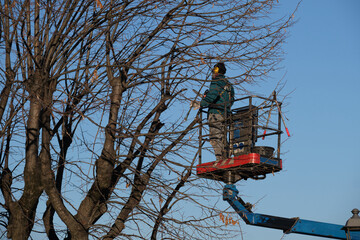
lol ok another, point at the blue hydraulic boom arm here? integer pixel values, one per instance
(288, 225)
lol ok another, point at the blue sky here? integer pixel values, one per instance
(320, 177)
(320, 180)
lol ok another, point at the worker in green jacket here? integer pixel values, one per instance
(218, 99)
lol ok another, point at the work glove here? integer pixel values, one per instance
(195, 104)
(205, 93)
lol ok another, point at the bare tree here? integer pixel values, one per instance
(94, 96)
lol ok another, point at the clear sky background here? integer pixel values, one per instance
(321, 176)
(320, 180)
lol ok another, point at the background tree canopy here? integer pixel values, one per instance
(94, 143)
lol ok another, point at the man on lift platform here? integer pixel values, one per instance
(219, 100)
(240, 126)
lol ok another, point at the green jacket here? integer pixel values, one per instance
(220, 96)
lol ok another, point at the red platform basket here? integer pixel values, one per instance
(246, 166)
